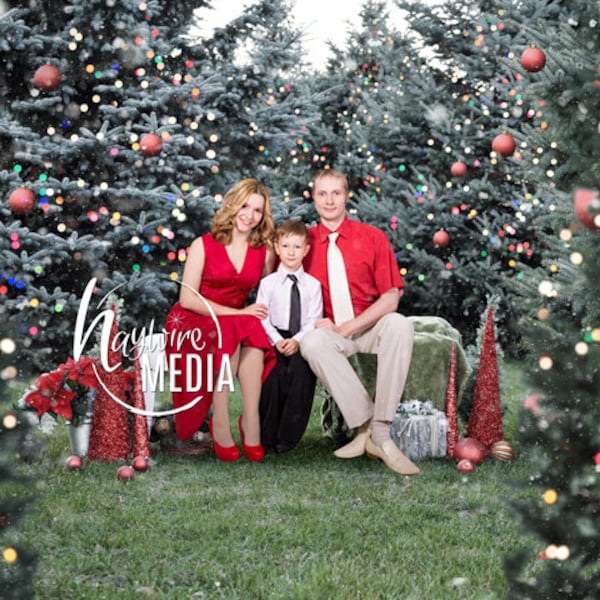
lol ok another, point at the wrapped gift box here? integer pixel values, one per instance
(420, 430)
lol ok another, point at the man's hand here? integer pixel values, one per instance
(344, 329)
(325, 324)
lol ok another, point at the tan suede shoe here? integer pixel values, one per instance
(389, 453)
(355, 448)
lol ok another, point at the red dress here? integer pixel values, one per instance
(196, 346)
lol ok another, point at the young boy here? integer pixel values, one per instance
(294, 300)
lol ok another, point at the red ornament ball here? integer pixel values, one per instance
(471, 449)
(441, 238)
(150, 144)
(21, 201)
(125, 473)
(140, 463)
(533, 60)
(587, 208)
(73, 463)
(458, 169)
(47, 78)
(465, 465)
(504, 144)
(502, 450)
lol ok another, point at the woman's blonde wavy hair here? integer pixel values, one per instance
(222, 225)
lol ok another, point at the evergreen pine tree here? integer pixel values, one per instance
(559, 432)
(415, 104)
(268, 106)
(108, 202)
(17, 562)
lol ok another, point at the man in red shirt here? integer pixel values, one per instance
(366, 322)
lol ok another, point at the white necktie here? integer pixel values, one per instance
(341, 302)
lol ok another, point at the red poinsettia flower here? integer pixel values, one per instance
(51, 395)
(81, 372)
(63, 391)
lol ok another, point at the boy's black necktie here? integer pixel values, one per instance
(294, 327)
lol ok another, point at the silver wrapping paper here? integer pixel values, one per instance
(419, 430)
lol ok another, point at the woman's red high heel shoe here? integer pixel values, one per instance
(253, 453)
(224, 453)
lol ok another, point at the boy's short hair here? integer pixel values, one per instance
(291, 227)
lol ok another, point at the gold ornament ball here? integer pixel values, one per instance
(502, 450)
(162, 426)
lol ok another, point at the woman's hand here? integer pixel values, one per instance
(256, 310)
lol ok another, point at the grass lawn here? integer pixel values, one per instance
(304, 525)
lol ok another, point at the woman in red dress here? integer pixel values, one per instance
(212, 335)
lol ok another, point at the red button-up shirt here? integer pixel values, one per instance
(370, 263)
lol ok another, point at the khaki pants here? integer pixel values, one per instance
(391, 339)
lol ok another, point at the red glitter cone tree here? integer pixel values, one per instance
(141, 440)
(109, 438)
(485, 419)
(451, 406)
